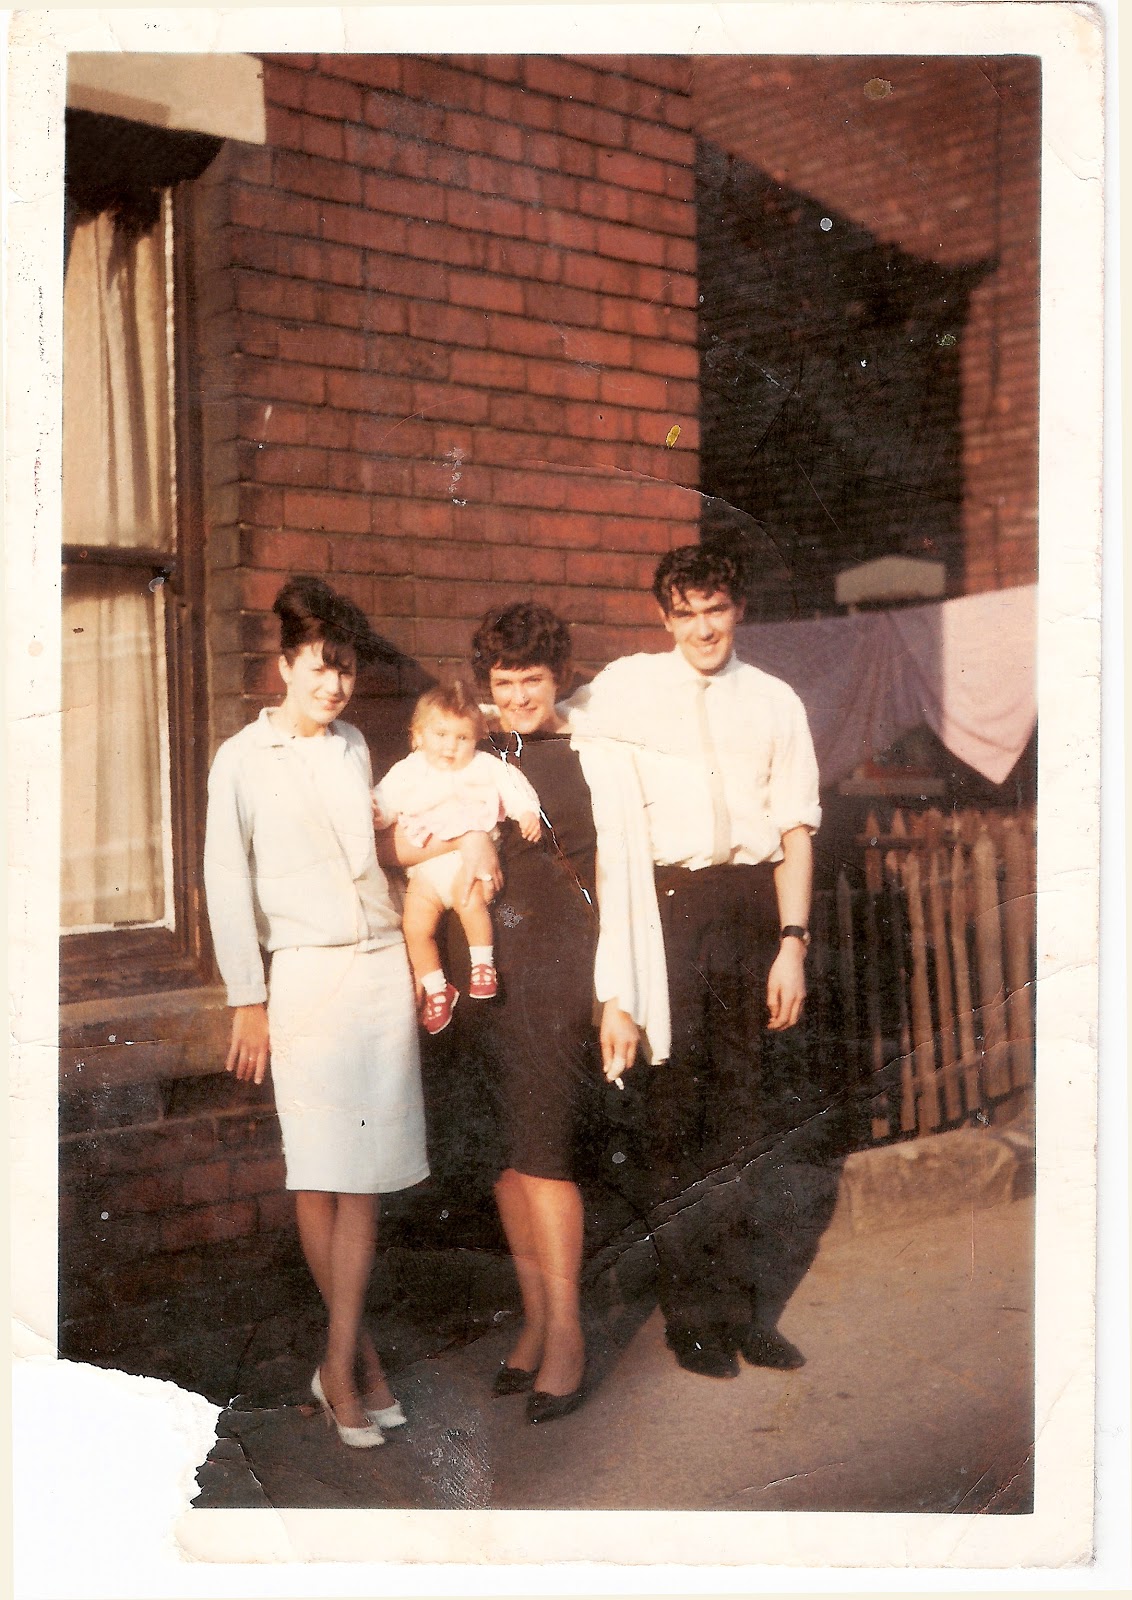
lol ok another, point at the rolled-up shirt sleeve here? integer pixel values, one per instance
(228, 885)
(793, 789)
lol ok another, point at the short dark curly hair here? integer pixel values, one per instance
(703, 568)
(311, 612)
(522, 635)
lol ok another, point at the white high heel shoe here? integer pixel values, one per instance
(385, 1416)
(366, 1438)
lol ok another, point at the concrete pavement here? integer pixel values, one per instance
(917, 1393)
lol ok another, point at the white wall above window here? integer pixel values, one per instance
(217, 94)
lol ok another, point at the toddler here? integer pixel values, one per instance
(446, 788)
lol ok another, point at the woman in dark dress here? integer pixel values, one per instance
(542, 1056)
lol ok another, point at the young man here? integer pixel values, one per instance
(730, 790)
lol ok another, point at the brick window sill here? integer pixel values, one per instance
(105, 1043)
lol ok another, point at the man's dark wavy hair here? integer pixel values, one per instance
(311, 612)
(700, 567)
(522, 635)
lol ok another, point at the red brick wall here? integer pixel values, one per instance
(155, 1178)
(945, 163)
(448, 321)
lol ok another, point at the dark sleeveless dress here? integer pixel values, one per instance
(529, 1057)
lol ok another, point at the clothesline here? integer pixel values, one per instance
(967, 668)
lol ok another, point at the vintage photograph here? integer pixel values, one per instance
(550, 771)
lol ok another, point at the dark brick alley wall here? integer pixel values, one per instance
(937, 163)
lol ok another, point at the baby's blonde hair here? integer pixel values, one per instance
(454, 699)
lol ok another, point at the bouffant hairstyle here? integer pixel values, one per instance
(454, 699)
(522, 635)
(311, 612)
(698, 567)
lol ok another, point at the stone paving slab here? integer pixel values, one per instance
(934, 1176)
(916, 1396)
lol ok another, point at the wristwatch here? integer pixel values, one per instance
(793, 931)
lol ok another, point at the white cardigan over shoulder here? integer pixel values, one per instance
(630, 966)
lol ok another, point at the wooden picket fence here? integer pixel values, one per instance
(922, 981)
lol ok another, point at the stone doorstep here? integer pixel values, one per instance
(935, 1175)
(175, 1034)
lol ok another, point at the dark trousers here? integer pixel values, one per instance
(699, 1114)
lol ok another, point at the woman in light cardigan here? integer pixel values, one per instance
(290, 869)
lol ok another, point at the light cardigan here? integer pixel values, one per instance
(282, 867)
(630, 967)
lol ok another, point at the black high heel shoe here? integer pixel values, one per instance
(543, 1407)
(512, 1380)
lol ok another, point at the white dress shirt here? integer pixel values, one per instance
(761, 739)
(289, 858)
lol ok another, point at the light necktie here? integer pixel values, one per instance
(720, 816)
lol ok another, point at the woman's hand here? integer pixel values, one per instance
(480, 864)
(248, 1051)
(620, 1037)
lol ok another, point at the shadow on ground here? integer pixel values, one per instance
(917, 1396)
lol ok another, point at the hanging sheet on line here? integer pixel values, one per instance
(967, 668)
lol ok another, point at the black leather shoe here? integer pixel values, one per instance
(512, 1380)
(543, 1407)
(766, 1347)
(703, 1351)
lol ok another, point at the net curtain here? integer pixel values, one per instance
(117, 492)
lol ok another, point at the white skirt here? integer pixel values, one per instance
(345, 1062)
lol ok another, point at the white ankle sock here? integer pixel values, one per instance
(434, 982)
(482, 955)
